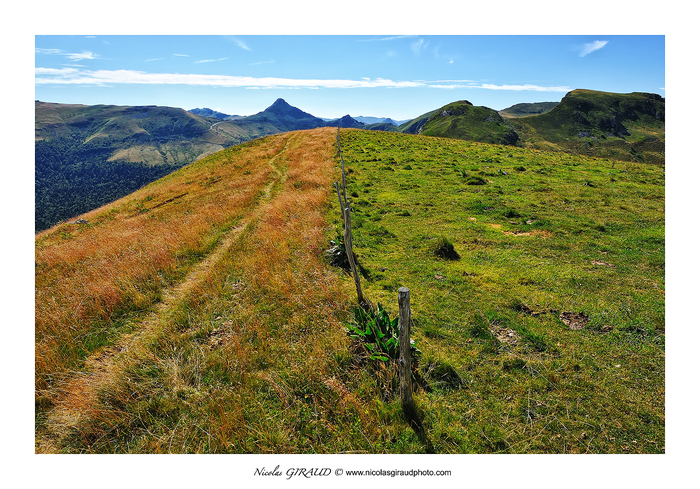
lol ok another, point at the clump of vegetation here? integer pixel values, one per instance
(445, 249)
(474, 180)
(443, 375)
(378, 333)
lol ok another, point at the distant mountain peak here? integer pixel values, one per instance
(279, 103)
(282, 108)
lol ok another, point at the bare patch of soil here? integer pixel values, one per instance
(573, 320)
(505, 335)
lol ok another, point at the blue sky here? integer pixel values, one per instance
(329, 76)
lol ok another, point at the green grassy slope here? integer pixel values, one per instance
(462, 120)
(628, 127)
(542, 237)
(414, 125)
(623, 126)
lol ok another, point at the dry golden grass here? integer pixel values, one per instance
(240, 361)
(88, 275)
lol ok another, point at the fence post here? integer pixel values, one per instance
(347, 239)
(405, 362)
(347, 235)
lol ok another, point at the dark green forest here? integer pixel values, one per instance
(72, 177)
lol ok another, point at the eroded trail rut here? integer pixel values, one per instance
(80, 393)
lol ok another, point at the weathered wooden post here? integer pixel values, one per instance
(347, 235)
(347, 239)
(405, 362)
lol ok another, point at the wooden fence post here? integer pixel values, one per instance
(405, 362)
(347, 234)
(347, 239)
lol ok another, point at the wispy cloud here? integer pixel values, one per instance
(241, 44)
(70, 56)
(449, 59)
(263, 62)
(72, 76)
(153, 59)
(588, 48)
(390, 38)
(525, 88)
(182, 55)
(489, 86)
(419, 46)
(75, 76)
(209, 60)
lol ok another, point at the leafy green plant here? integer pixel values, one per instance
(378, 332)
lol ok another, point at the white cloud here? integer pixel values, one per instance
(392, 38)
(489, 86)
(70, 56)
(241, 44)
(182, 55)
(74, 76)
(530, 88)
(71, 76)
(452, 86)
(81, 56)
(47, 51)
(209, 60)
(588, 48)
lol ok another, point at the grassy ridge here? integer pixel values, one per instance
(254, 358)
(88, 156)
(627, 127)
(90, 278)
(462, 120)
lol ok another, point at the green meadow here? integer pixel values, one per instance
(544, 330)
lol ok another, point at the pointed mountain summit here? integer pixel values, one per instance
(286, 117)
(281, 107)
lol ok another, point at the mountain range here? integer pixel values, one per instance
(87, 156)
